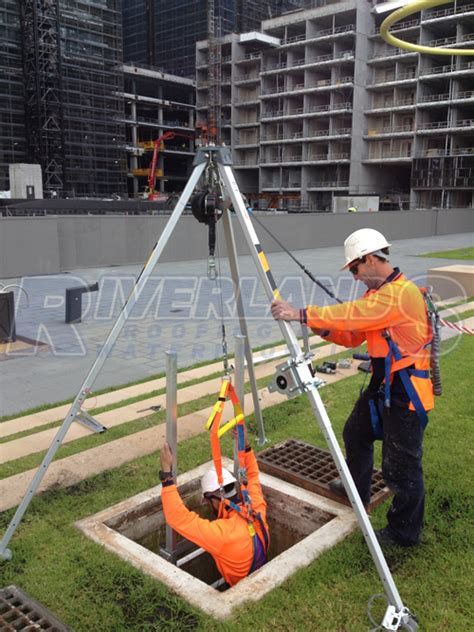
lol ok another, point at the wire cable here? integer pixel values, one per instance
(370, 604)
(221, 304)
(305, 270)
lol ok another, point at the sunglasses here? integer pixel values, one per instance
(354, 268)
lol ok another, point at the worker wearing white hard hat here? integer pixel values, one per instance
(392, 319)
(362, 242)
(227, 538)
(210, 485)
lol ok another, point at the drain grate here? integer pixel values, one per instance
(19, 612)
(313, 469)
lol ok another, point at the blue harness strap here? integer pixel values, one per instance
(259, 554)
(405, 375)
(375, 419)
(260, 549)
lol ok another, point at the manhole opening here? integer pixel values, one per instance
(148, 528)
(302, 526)
(18, 611)
(312, 468)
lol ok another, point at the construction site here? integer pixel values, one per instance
(314, 104)
(236, 315)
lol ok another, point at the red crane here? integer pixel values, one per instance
(150, 192)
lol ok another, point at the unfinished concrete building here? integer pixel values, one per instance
(325, 108)
(156, 104)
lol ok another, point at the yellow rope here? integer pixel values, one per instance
(414, 7)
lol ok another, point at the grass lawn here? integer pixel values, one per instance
(458, 253)
(95, 591)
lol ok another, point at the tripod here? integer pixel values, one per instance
(293, 378)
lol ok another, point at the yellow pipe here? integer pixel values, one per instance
(410, 9)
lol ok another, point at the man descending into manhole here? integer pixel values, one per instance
(395, 318)
(238, 538)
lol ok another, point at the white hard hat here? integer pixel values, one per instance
(362, 242)
(209, 482)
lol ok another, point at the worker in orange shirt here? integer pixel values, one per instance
(237, 542)
(392, 318)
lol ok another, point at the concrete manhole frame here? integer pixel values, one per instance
(221, 604)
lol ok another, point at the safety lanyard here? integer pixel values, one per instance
(245, 511)
(213, 424)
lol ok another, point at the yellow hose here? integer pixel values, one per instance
(409, 9)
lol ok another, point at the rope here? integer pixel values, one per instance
(305, 270)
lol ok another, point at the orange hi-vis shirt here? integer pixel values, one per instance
(227, 538)
(397, 307)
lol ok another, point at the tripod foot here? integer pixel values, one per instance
(5, 555)
(399, 619)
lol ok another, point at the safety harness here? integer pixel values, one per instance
(394, 357)
(244, 509)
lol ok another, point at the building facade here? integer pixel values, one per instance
(325, 108)
(164, 34)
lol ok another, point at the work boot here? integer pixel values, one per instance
(337, 487)
(387, 537)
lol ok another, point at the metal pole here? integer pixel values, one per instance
(314, 397)
(171, 432)
(84, 391)
(234, 271)
(305, 334)
(239, 387)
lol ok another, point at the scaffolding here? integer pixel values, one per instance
(74, 111)
(94, 130)
(12, 120)
(43, 91)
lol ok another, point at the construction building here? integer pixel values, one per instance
(62, 106)
(163, 34)
(158, 105)
(12, 104)
(317, 106)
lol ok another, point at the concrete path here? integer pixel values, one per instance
(179, 309)
(42, 440)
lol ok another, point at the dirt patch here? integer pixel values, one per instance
(21, 348)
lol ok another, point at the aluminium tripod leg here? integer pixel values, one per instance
(5, 553)
(397, 615)
(234, 270)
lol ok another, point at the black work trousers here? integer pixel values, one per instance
(401, 463)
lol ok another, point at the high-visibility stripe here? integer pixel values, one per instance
(263, 261)
(268, 272)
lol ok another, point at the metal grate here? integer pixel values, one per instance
(313, 469)
(19, 612)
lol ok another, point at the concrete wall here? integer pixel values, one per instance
(47, 245)
(22, 176)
